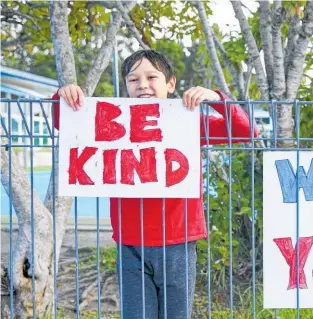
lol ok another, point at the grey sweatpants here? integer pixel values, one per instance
(179, 294)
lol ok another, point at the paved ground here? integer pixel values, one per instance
(86, 238)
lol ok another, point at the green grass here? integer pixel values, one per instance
(243, 308)
(107, 258)
(39, 168)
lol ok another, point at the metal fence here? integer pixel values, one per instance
(229, 271)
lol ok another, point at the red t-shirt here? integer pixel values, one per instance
(174, 208)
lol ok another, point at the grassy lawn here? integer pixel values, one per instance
(39, 169)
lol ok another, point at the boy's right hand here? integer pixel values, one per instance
(72, 95)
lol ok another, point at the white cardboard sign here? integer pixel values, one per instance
(136, 148)
(280, 194)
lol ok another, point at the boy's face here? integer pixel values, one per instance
(145, 81)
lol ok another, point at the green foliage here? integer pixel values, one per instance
(243, 307)
(182, 15)
(43, 63)
(236, 209)
(35, 21)
(107, 258)
(236, 49)
(254, 22)
(85, 20)
(174, 52)
(305, 93)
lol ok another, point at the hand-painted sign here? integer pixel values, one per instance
(288, 240)
(121, 147)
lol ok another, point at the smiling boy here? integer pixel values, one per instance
(148, 74)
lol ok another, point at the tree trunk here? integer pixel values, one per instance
(294, 74)
(33, 253)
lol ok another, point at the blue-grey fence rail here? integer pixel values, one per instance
(19, 130)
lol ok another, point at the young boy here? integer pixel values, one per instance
(147, 73)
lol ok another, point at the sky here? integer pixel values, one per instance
(224, 16)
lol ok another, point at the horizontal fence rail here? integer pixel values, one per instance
(229, 269)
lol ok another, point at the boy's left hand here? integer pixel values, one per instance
(195, 95)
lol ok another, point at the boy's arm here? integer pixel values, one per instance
(240, 124)
(56, 107)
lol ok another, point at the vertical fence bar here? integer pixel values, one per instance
(230, 211)
(9, 149)
(98, 257)
(119, 210)
(55, 266)
(206, 123)
(253, 257)
(252, 207)
(117, 94)
(186, 255)
(208, 215)
(297, 115)
(32, 207)
(76, 260)
(142, 260)
(274, 119)
(164, 258)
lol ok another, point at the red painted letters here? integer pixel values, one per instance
(290, 255)
(105, 128)
(76, 171)
(145, 168)
(108, 130)
(175, 177)
(109, 170)
(138, 122)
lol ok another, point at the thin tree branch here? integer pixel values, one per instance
(252, 49)
(295, 69)
(248, 80)
(236, 75)
(107, 4)
(293, 33)
(104, 55)
(130, 24)
(266, 37)
(243, 5)
(7, 12)
(36, 5)
(11, 43)
(212, 50)
(279, 84)
(11, 21)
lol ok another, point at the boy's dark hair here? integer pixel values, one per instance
(158, 60)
